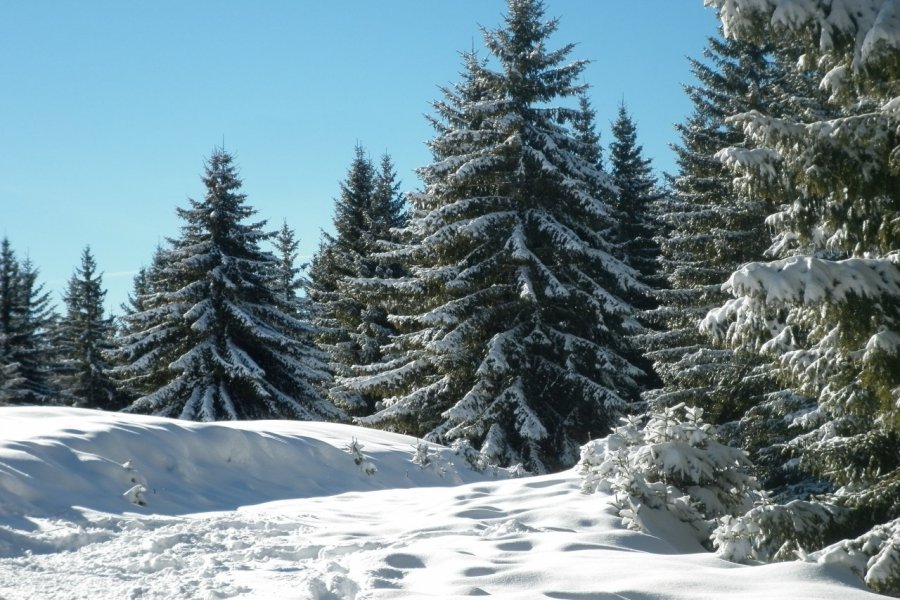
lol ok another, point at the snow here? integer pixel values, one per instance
(286, 509)
(812, 280)
(872, 25)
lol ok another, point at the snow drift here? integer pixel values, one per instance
(101, 505)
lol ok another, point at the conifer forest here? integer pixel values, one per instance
(721, 343)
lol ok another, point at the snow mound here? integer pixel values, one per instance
(52, 460)
(177, 510)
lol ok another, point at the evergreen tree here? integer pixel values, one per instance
(636, 229)
(710, 231)
(830, 312)
(144, 285)
(353, 327)
(585, 130)
(213, 342)
(510, 316)
(713, 230)
(84, 336)
(637, 193)
(147, 282)
(286, 279)
(388, 211)
(10, 296)
(673, 462)
(26, 317)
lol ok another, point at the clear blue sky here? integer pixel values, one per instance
(109, 108)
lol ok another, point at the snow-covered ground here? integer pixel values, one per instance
(98, 505)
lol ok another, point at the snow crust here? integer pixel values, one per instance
(103, 505)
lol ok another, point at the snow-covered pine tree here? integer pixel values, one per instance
(286, 278)
(709, 232)
(388, 212)
(636, 230)
(584, 126)
(144, 284)
(213, 342)
(637, 194)
(353, 327)
(831, 312)
(26, 318)
(84, 336)
(511, 315)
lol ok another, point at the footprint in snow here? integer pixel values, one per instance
(479, 571)
(578, 547)
(589, 596)
(535, 485)
(385, 578)
(523, 546)
(404, 561)
(388, 573)
(481, 512)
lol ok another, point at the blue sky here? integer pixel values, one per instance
(109, 108)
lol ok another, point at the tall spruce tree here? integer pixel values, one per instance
(710, 232)
(636, 229)
(213, 342)
(511, 313)
(584, 126)
(830, 312)
(147, 281)
(286, 278)
(144, 284)
(354, 327)
(26, 318)
(637, 194)
(713, 230)
(84, 336)
(388, 212)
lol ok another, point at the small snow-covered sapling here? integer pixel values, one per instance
(423, 457)
(134, 494)
(354, 448)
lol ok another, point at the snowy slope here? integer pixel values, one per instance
(281, 510)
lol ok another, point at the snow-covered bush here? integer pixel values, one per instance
(673, 462)
(780, 532)
(874, 556)
(774, 532)
(475, 459)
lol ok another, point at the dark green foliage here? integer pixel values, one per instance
(634, 202)
(828, 313)
(510, 315)
(354, 327)
(585, 133)
(212, 341)
(84, 337)
(286, 279)
(26, 355)
(709, 232)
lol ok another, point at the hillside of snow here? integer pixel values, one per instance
(104, 505)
